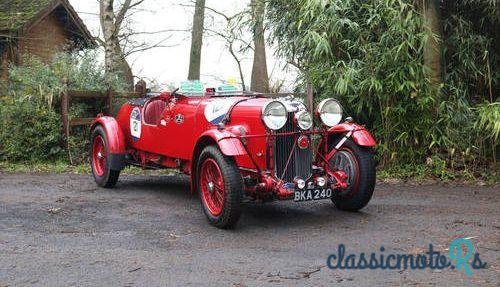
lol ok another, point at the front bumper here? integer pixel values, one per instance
(277, 189)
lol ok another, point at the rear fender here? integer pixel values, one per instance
(360, 135)
(115, 140)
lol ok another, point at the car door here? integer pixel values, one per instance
(177, 128)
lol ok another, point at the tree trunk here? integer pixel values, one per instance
(260, 79)
(123, 69)
(114, 59)
(432, 50)
(196, 40)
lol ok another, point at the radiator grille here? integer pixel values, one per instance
(301, 162)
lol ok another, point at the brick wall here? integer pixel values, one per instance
(44, 39)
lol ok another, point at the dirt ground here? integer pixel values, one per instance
(62, 230)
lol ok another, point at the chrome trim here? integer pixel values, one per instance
(320, 107)
(264, 107)
(296, 119)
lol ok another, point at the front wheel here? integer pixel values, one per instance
(99, 158)
(220, 187)
(359, 165)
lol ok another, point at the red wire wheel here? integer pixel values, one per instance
(345, 160)
(358, 164)
(99, 156)
(104, 176)
(220, 187)
(212, 186)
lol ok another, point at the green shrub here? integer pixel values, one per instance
(370, 55)
(488, 126)
(43, 82)
(30, 112)
(30, 131)
(488, 120)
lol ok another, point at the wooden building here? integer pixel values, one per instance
(40, 28)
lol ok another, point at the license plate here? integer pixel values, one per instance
(312, 194)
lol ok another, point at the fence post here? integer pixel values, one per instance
(140, 87)
(65, 116)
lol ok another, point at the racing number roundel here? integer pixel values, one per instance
(135, 124)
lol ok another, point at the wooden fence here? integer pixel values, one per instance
(109, 95)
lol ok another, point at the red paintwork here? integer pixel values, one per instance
(212, 195)
(182, 130)
(98, 156)
(114, 133)
(228, 141)
(356, 180)
(360, 135)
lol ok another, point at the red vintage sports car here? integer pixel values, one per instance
(235, 145)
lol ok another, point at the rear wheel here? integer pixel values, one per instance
(358, 163)
(99, 158)
(220, 187)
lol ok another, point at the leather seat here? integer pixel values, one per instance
(153, 112)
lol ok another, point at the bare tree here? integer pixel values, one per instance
(111, 24)
(235, 33)
(119, 37)
(233, 36)
(260, 78)
(196, 40)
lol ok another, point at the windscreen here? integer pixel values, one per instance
(192, 89)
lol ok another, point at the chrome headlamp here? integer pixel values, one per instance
(274, 115)
(303, 120)
(330, 112)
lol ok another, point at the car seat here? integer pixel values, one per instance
(153, 111)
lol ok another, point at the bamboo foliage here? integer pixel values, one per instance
(371, 55)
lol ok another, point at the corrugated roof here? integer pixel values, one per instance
(14, 14)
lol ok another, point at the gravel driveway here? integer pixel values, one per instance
(61, 230)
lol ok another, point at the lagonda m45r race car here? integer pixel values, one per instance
(237, 145)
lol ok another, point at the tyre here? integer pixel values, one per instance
(220, 187)
(359, 165)
(104, 176)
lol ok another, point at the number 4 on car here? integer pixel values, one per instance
(234, 145)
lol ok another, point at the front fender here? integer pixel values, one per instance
(228, 142)
(114, 134)
(360, 135)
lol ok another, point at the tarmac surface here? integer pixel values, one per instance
(62, 230)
